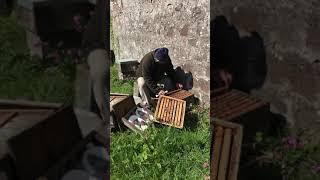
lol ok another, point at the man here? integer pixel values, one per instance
(222, 78)
(94, 38)
(156, 75)
(96, 45)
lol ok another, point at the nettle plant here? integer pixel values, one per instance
(295, 155)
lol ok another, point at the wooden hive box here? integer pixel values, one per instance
(50, 154)
(170, 111)
(121, 104)
(179, 94)
(225, 150)
(236, 106)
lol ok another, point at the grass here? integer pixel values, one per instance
(119, 86)
(25, 77)
(162, 152)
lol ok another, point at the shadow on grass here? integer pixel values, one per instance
(191, 121)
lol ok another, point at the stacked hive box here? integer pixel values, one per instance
(225, 150)
(239, 107)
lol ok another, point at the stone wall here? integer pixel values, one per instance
(182, 26)
(291, 33)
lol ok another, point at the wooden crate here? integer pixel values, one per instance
(42, 145)
(17, 116)
(239, 107)
(170, 111)
(225, 150)
(30, 135)
(121, 104)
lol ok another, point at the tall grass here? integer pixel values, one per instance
(25, 77)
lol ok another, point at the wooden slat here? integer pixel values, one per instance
(159, 109)
(24, 110)
(118, 94)
(183, 114)
(226, 150)
(218, 139)
(180, 94)
(5, 117)
(175, 112)
(233, 104)
(235, 154)
(226, 110)
(179, 112)
(4, 104)
(164, 112)
(225, 155)
(169, 111)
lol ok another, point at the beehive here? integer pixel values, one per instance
(120, 105)
(170, 111)
(180, 94)
(236, 106)
(225, 150)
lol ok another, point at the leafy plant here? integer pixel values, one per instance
(293, 154)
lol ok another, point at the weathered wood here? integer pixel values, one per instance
(239, 107)
(226, 149)
(5, 117)
(181, 94)
(175, 112)
(235, 154)
(170, 111)
(22, 104)
(171, 103)
(45, 143)
(164, 117)
(217, 139)
(24, 110)
(218, 91)
(225, 155)
(121, 105)
(118, 94)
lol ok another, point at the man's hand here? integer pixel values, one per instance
(162, 92)
(226, 78)
(179, 86)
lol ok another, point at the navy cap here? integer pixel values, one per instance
(161, 54)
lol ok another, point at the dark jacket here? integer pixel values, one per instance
(95, 35)
(153, 72)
